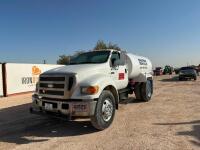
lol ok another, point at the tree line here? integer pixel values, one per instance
(65, 59)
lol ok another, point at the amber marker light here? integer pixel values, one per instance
(90, 90)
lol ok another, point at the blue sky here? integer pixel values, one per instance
(166, 31)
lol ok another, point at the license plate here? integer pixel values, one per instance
(80, 108)
(48, 106)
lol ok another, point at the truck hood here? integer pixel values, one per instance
(78, 69)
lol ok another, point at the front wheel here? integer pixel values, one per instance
(105, 111)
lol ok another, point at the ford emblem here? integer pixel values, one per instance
(50, 85)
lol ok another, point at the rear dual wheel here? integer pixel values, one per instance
(143, 91)
(147, 90)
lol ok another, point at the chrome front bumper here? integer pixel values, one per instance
(68, 108)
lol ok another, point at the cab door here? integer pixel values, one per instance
(119, 72)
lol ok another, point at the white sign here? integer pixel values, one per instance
(23, 77)
(1, 81)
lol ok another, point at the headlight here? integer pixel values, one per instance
(180, 73)
(90, 90)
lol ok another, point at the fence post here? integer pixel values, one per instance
(4, 79)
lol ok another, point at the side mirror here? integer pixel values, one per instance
(115, 62)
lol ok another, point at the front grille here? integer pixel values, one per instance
(46, 85)
(50, 92)
(56, 86)
(52, 78)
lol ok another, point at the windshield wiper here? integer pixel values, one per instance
(86, 62)
(73, 63)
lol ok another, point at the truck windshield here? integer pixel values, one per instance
(91, 57)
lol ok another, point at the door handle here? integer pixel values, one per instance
(112, 72)
(125, 70)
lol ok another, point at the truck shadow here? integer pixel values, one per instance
(173, 79)
(195, 132)
(19, 127)
(130, 100)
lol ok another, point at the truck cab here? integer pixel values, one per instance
(90, 86)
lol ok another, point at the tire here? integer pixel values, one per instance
(195, 78)
(180, 79)
(137, 91)
(106, 102)
(147, 90)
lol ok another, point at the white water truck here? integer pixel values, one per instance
(92, 86)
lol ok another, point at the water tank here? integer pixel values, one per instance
(138, 66)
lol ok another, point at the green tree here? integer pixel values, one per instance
(113, 46)
(63, 59)
(102, 45)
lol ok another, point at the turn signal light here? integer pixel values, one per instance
(90, 90)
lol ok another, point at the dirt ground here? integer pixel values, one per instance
(170, 121)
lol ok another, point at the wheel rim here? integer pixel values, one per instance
(149, 90)
(107, 110)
